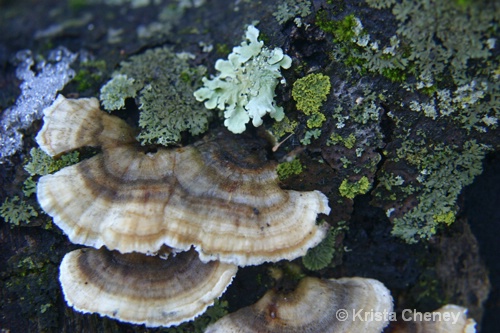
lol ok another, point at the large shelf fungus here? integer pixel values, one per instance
(142, 289)
(217, 195)
(332, 306)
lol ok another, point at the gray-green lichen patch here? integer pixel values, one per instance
(162, 84)
(420, 203)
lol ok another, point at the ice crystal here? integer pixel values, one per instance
(38, 90)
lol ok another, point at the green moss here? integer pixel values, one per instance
(351, 189)
(310, 92)
(222, 49)
(342, 30)
(31, 288)
(89, 75)
(16, 211)
(288, 169)
(117, 90)
(321, 256)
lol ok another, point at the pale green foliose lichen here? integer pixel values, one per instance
(244, 89)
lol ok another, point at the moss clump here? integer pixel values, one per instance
(162, 83)
(351, 189)
(322, 255)
(288, 169)
(31, 289)
(342, 30)
(310, 92)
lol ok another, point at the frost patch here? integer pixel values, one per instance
(38, 90)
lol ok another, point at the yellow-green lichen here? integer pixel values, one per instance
(310, 92)
(283, 127)
(336, 138)
(350, 189)
(288, 169)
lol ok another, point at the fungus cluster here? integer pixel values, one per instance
(218, 199)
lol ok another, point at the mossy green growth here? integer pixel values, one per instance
(162, 83)
(342, 30)
(322, 255)
(288, 169)
(41, 164)
(310, 92)
(89, 75)
(31, 287)
(351, 189)
(16, 211)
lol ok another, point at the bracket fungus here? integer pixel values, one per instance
(142, 289)
(217, 195)
(323, 306)
(449, 318)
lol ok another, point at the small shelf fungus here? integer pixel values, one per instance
(323, 306)
(142, 289)
(218, 195)
(449, 318)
